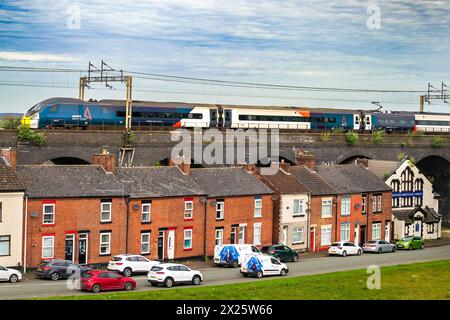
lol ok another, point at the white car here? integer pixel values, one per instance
(169, 274)
(11, 275)
(128, 264)
(263, 265)
(344, 248)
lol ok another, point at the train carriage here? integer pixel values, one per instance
(432, 122)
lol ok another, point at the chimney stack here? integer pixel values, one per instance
(363, 161)
(182, 164)
(106, 160)
(11, 157)
(304, 158)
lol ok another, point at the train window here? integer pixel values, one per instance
(54, 108)
(120, 114)
(137, 114)
(272, 118)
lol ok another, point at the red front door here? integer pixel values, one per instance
(312, 240)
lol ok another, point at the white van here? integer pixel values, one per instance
(233, 254)
(263, 265)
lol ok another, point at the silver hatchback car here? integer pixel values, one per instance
(379, 246)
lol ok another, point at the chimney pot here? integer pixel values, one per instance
(304, 158)
(106, 160)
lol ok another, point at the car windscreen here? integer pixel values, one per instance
(116, 259)
(265, 248)
(156, 268)
(336, 244)
(88, 275)
(407, 238)
(371, 241)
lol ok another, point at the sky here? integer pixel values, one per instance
(394, 45)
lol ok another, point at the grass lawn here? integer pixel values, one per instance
(430, 280)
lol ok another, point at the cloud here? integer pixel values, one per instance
(35, 57)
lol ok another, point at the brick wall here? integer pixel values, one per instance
(317, 222)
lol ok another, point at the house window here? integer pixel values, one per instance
(219, 236)
(364, 204)
(326, 208)
(146, 212)
(241, 235)
(187, 238)
(430, 228)
(376, 231)
(395, 185)
(407, 177)
(145, 243)
(345, 206)
(325, 238)
(345, 231)
(106, 211)
(258, 207)
(407, 230)
(257, 234)
(49, 214)
(297, 235)
(220, 209)
(5, 246)
(233, 237)
(188, 209)
(298, 207)
(376, 203)
(105, 243)
(48, 247)
(418, 188)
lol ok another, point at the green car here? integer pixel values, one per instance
(410, 243)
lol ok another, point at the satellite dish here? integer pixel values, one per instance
(34, 214)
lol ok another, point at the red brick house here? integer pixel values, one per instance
(238, 209)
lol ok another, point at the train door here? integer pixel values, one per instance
(227, 118)
(356, 122)
(213, 117)
(220, 122)
(368, 122)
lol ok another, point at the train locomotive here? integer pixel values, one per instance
(75, 113)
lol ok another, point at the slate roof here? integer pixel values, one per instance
(9, 182)
(381, 167)
(312, 180)
(430, 215)
(352, 178)
(69, 181)
(228, 181)
(285, 183)
(157, 182)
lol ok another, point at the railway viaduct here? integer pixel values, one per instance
(155, 147)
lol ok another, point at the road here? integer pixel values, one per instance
(36, 288)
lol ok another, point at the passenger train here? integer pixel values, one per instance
(70, 113)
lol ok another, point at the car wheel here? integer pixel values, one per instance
(96, 288)
(422, 246)
(259, 274)
(127, 272)
(14, 278)
(283, 272)
(196, 280)
(153, 284)
(55, 276)
(359, 252)
(128, 286)
(410, 247)
(379, 250)
(394, 249)
(168, 282)
(235, 264)
(295, 258)
(344, 253)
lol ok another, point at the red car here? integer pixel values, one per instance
(99, 280)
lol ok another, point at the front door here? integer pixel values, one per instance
(171, 245)
(83, 248)
(69, 247)
(418, 228)
(312, 240)
(161, 245)
(285, 235)
(356, 235)
(362, 232)
(387, 232)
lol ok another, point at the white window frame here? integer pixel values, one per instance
(7, 239)
(346, 231)
(219, 239)
(149, 212)
(188, 212)
(326, 203)
(378, 229)
(257, 241)
(187, 238)
(103, 243)
(53, 206)
(102, 211)
(143, 234)
(300, 230)
(346, 202)
(364, 204)
(241, 231)
(48, 247)
(328, 228)
(379, 208)
(220, 210)
(258, 207)
(300, 206)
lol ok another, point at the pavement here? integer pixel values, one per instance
(36, 288)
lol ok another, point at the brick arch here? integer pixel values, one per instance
(348, 157)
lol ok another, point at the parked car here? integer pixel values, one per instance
(378, 246)
(410, 243)
(169, 274)
(233, 254)
(59, 269)
(344, 248)
(128, 264)
(263, 265)
(11, 275)
(103, 280)
(281, 252)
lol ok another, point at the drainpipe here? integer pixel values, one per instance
(204, 227)
(308, 224)
(127, 201)
(336, 219)
(25, 236)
